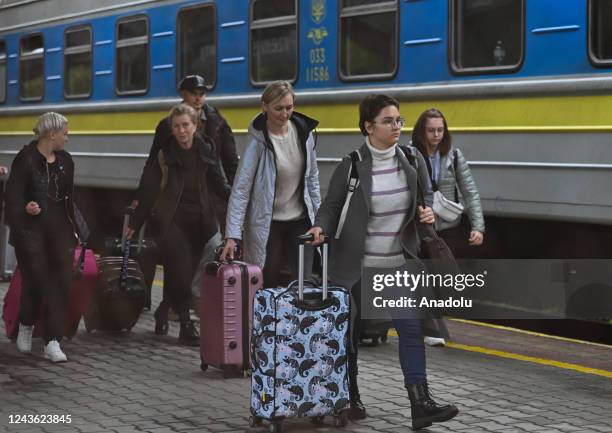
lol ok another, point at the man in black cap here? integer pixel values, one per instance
(214, 129)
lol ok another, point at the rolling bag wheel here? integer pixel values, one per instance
(318, 420)
(203, 366)
(384, 337)
(374, 341)
(342, 419)
(275, 427)
(254, 421)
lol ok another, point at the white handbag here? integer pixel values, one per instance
(446, 209)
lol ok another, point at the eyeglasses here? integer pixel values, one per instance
(434, 130)
(390, 121)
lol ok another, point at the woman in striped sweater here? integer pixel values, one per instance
(378, 229)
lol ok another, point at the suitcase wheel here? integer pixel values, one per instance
(254, 421)
(275, 427)
(318, 420)
(384, 338)
(203, 366)
(342, 419)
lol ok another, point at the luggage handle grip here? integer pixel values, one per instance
(301, 240)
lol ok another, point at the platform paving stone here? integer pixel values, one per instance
(139, 382)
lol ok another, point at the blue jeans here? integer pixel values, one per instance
(411, 350)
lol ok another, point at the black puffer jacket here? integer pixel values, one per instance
(160, 202)
(29, 181)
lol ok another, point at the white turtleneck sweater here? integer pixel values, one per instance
(389, 203)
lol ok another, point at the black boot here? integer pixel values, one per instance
(188, 335)
(161, 319)
(424, 410)
(356, 408)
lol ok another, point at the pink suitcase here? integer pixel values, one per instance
(226, 303)
(80, 295)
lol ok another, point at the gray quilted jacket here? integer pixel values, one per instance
(467, 190)
(249, 211)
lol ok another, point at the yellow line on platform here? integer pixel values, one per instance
(533, 359)
(536, 334)
(525, 358)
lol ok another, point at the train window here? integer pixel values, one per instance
(600, 32)
(368, 39)
(77, 63)
(31, 67)
(273, 40)
(487, 35)
(197, 45)
(2, 71)
(132, 71)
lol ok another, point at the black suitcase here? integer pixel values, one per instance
(374, 330)
(144, 253)
(120, 294)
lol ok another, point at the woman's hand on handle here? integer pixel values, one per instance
(318, 235)
(476, 238)
(32, 208)
(228, 250)
(426, 215)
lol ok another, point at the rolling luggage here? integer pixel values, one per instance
(374, 330)
(226, 298)
(80, 295)
(120, 294)
(299, 356)
(144, 252)
(8, 262)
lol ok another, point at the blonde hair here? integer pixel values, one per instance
(277, 90)
(48, 122)
(181, 109)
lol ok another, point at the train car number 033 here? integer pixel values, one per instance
(39, 419)
(317, 74)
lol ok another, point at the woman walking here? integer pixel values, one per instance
(41, 214)
(379, 230)
(175, 197)
(276, 189)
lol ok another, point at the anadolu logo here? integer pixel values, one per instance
(317, 10)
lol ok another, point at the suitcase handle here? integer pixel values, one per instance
(129, 211)
(302, 239)
(80, 265)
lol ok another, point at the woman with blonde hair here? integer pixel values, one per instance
(176, 198)
(276, 194)
(41, 214)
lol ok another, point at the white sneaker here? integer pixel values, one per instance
(434, 341)
(53, 352)
(24, 338)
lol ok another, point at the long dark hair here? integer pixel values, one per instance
(419, 135)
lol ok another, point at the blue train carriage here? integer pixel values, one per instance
(524, 84)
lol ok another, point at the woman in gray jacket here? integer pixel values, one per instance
(379, 230)
(451, 176)
(276, 194)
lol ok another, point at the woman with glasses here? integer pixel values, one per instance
(450, 175)
(378, 230)
(41, 214)
(276, 189)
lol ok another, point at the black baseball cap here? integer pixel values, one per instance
(192, 82)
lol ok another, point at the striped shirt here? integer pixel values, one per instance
(389, 203)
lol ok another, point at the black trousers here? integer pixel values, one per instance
(282, 256)
(354, 331)
(180, 250)
(46, 272)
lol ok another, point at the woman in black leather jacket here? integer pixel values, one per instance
(176, 197)
(40, 213)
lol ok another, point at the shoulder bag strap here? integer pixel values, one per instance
(352, 182)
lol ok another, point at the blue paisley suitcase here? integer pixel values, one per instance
(299, 352)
